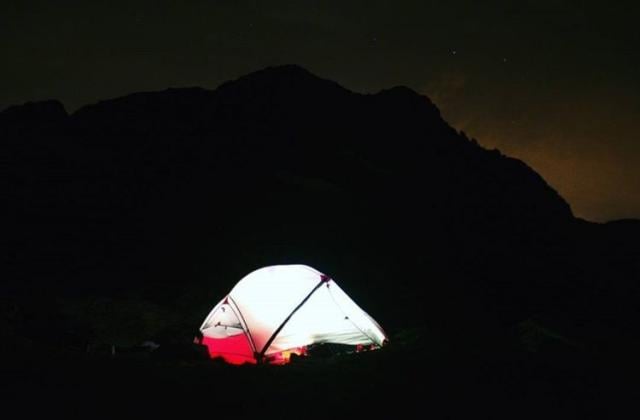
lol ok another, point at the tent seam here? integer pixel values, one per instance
(349, 318)
(245, 327)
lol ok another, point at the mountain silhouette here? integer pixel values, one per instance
(172, 196)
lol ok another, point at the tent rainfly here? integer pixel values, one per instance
(277, 311)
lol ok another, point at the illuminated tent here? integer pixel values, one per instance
(277, 311)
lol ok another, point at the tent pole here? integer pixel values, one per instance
(245, 327)
(324, 279)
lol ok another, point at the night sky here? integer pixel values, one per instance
(554, 83)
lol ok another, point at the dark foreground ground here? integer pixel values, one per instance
(411, 377)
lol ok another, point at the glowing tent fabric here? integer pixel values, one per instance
(279, 310)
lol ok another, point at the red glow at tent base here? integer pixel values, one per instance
(236, 350)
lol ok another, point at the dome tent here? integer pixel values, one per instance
(277, 311)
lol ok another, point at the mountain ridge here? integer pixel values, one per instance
(127, 195)
(191, 109)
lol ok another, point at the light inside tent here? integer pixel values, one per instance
(276, 312)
